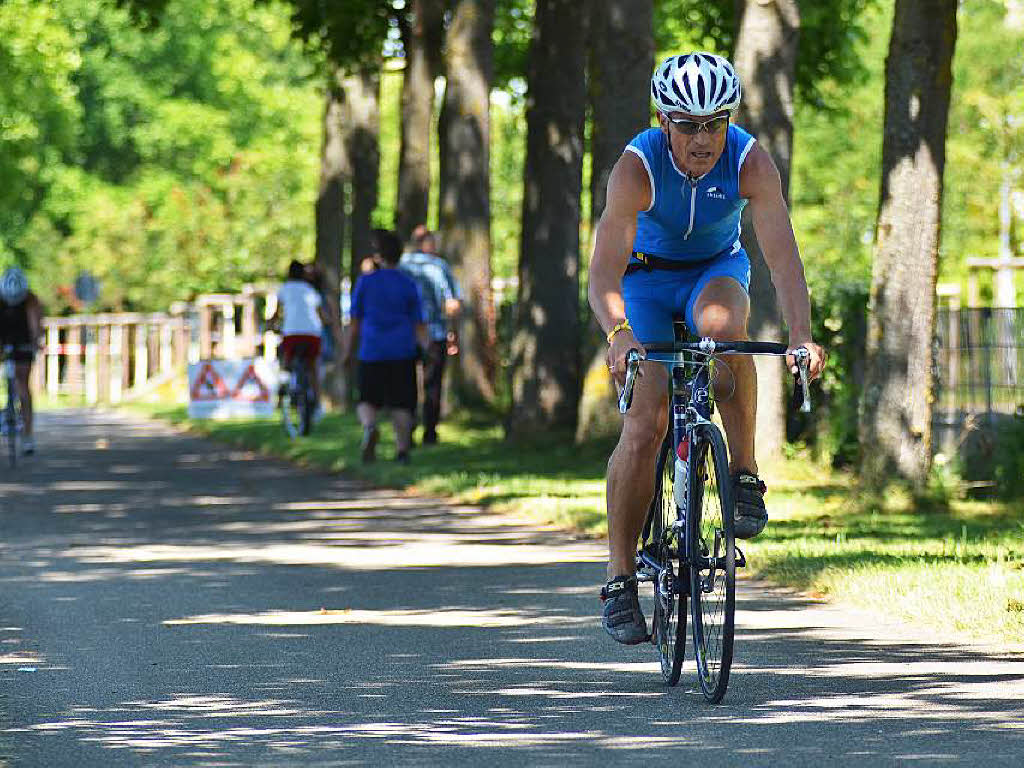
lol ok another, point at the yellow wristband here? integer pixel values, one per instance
(623, 326)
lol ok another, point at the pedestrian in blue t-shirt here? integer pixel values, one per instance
(388, 331)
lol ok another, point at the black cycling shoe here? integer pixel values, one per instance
(751, 516)
(622, 617)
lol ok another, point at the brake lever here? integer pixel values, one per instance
(803, 362)
(632, 366)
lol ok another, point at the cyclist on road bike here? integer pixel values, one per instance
(21, 324)
(668, 242)
(304, 316)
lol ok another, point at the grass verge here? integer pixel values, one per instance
(956, 568)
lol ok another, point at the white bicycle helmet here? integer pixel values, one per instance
(697, 83)
(13, 286)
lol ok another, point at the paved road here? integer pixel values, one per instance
(167, 601)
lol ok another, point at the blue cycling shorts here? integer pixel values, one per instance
(652, 298)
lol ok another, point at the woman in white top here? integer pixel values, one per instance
(302, 310)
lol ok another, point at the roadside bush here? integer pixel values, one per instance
(1009, 458)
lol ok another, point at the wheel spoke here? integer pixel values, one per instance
(713, 574)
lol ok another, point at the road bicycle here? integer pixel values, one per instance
(12, 425)
(688, 549)
(298, 400)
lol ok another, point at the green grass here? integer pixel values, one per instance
(953, 566)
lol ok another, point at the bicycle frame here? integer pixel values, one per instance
(690, 405)
(675, 530)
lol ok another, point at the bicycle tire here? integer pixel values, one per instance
(288, 420)
(307, 403)
(669, 618)
(712, 561)
(11, 430)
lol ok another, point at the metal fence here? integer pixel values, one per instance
(980, 361)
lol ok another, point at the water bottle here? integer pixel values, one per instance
(679, 488)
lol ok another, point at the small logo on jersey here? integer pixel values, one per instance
(716, 193)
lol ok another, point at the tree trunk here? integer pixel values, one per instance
(362, 123)
(330, 217)
(896, 409)
(546, 346)
(465, 214)
(765, 59)
(621, 59)
(423, 38)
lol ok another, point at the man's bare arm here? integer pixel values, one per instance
(761, 185)
(34, 309)
(628, 193)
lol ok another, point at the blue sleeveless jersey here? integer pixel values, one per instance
(690, 221)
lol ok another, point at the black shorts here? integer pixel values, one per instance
(388, 383)
(23, 352)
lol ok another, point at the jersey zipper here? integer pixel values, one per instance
(693, 207)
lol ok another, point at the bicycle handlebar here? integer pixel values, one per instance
(708, 346)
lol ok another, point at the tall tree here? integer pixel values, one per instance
(330, 209)
(896, 408)
(422, 37)
(765, 58)
(464, 128)
(546, 346)
(362, 126)
(620, 61)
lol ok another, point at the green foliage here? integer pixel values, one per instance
(986, 133)
(513, 25)
(190, 160)
(830, 33)
(40, 111)
(350, 33)
(1009, 459)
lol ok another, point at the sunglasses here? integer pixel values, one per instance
(714, 126)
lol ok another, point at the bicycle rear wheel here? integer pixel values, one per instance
(712, 562)
(306, 403)
(289, 412)
(669, 621)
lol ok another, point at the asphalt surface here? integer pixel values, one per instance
(166, 601)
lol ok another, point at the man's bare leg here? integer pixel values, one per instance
(721, 312)
(631, 468)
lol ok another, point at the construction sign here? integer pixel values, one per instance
(224, 389)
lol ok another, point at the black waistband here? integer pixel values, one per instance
(646, 262)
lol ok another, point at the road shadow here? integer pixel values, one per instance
(179, 603)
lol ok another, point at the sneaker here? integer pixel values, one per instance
(368, 448)
(622, 617)
(28, 446)
(402, 457)
(429, 438)
(751, 516)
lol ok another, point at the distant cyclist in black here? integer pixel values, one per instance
(21, 325)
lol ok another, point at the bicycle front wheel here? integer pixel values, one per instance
(669, 621)
(11, 432)
(712, 562)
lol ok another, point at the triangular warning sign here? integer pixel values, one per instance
(208, 385)
(253, 394)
